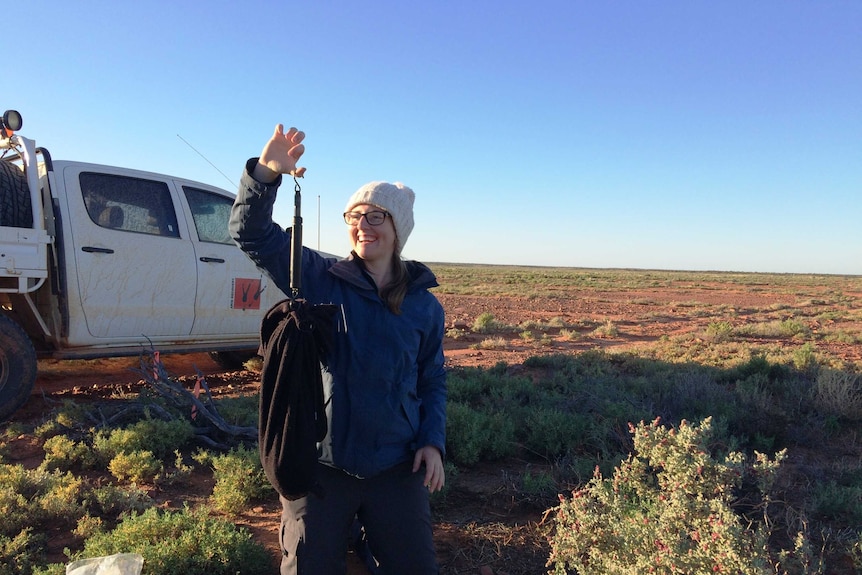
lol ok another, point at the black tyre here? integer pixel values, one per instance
(17, 367)
(232, 360)
(15, 206)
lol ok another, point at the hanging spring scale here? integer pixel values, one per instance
(296, 243)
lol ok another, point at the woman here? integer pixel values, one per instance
(386, 401)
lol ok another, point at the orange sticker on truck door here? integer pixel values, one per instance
(246, 293)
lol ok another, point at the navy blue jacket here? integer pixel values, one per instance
(388, 382)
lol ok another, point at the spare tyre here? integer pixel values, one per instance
(15, 206)
(17, 367)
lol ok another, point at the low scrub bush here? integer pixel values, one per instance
(455, 333)
(805, 358)
(838, 502)
(475, 435)
(19, 555)
(112, 500)
(62, 452)
(608, 329)
(161, 438)
(72, 415)
(182, 543)
(239, 411)
(137, 466)
(838, 393)
(136, 453)
(486, 323)
(492, 343)
(667, 509)
(37, 498)
(569, 334)
(239, 479)
(792, 328)
(551, 432)
(543, 326)
(719, 331)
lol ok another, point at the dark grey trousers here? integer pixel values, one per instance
(393, 506)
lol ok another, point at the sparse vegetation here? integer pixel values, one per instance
(755, 393)
(184, 542)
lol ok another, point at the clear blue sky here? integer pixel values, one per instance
(692, 135)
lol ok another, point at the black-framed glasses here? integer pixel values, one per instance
(374, 218)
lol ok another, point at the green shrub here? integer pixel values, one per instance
(473, 435)
(11, 430)
(834, 501)
(667, 509)
(19, 554)
(161, 438)
(52, 569)
(608, 329)
(551, 432)
(465, 435)
(719, 331)
(838, 393)
(72, 415)
(791, 328)
(794, 328)
(37, 498)
(757, 364)
(492, 343)
(135, 466)
(240, 411)
(805, 358)
(569, 334)
(486, 323)
(111, 500)
(63, 453)
(182, 543)
(239, 478)
(469, 385)
(455, 333)
(62, 501)
(88, 526)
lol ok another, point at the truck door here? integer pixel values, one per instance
(135, 273)
(232, 293)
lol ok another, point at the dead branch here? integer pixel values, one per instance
(202, 406)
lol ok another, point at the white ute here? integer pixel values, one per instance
(101, 261)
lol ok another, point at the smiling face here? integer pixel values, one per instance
(375, 244)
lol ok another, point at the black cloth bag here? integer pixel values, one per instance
(295, 338)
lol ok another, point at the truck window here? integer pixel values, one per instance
(210, 213)
(130, 204)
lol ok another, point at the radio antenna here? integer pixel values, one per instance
(207, 159)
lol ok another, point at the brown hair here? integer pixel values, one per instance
(393, 294)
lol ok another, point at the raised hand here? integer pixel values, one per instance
(281, 153)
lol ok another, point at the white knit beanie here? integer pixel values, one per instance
(397, 199)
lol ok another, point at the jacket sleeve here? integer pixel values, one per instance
(252, 228)
(432, 383)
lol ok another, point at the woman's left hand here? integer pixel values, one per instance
(435, 476)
